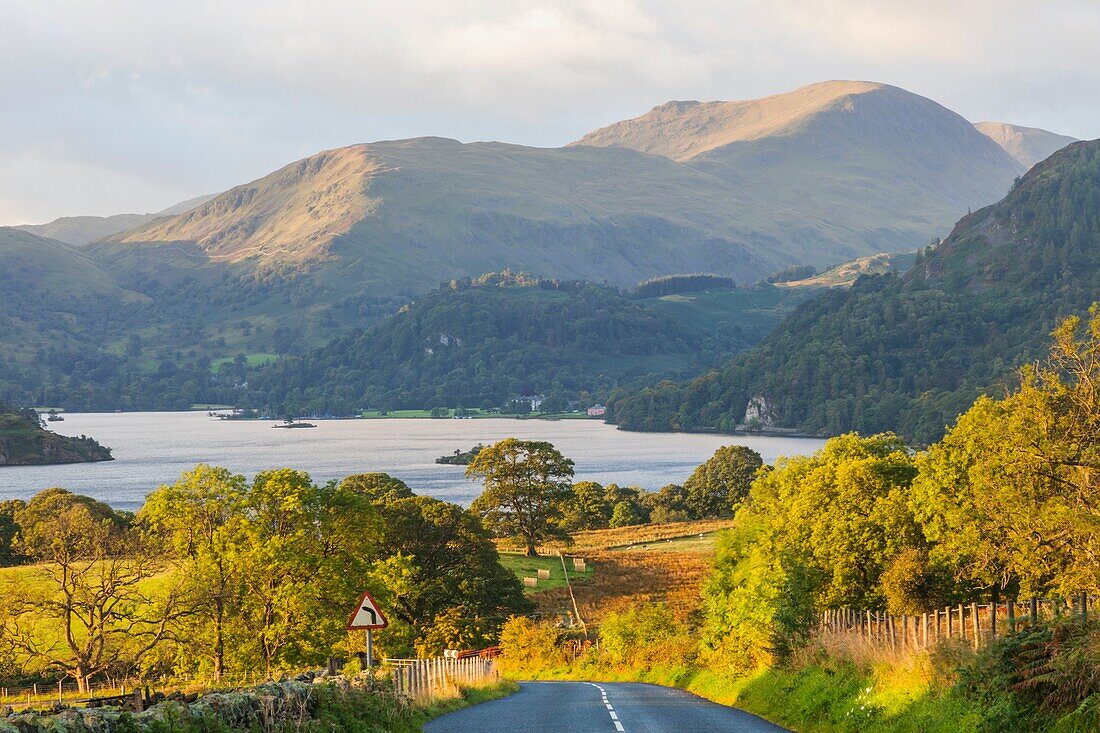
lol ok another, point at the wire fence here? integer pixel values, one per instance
(123, 692)
(416, 679)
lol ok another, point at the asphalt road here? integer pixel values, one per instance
(586, 707)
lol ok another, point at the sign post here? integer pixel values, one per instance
(367, 616)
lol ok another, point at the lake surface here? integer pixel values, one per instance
(153, 448)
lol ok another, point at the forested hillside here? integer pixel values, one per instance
(479, 343)
(911, 352)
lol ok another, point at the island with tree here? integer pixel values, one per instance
(24, 441)
(460, 457)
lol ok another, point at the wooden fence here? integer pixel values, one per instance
(973, 623)
(440, 676)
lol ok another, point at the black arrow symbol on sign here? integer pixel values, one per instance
(373, 615)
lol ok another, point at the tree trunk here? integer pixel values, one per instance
(531, 549)
(219, 642)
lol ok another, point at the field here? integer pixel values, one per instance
(253, 360)
(528, 567)
(645, 534)
(630, 566)
(621, 580)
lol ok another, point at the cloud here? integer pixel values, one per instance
(197, 96)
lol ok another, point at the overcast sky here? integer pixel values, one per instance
(133, 105)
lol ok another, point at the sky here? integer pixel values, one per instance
(131, 105)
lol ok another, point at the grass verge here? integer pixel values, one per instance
(821, 698)
(468, 696)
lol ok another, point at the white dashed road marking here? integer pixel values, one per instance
(610, 709)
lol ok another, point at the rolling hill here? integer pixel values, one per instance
(54, 295)
(482, 342)
(909, 352)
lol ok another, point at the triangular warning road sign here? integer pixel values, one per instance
(367, 615)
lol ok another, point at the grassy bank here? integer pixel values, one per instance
(818, 698)
(467, 696)
(1041, 679)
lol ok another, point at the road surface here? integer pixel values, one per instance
(586, 707)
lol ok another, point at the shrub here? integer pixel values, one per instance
(530, 647)
(644, 635)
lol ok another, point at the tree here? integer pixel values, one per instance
(95, 567)
(9, 528)
(628, 513)
(377, 487)
(588, 508)
(199, 520)
(308, 550)
(526, 485)
(670, 504)
(1009, 496)
(440, 577)
(719, 484)
(841, 514)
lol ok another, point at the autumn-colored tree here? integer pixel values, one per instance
(527, 483)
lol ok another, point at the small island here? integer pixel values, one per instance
(24, 441)
(459, 458)
(288, 422)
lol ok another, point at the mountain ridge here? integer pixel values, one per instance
(1028, 145)
(822, 184)
(81, 230)
(909, 353)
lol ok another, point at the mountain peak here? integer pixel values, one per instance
(1028, 145)
(682, 130)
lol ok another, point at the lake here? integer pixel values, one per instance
(153, 448)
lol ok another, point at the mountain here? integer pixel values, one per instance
(1028, 145)
(909, 352)
(820, 175)
(81, 230)
(878, 163)
(24, 442)
(338, 241)
(482, 342)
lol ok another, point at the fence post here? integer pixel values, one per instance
(1011, 615)
(1034, 608)
(1084, 604)
(977, 630)
(993, 618)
